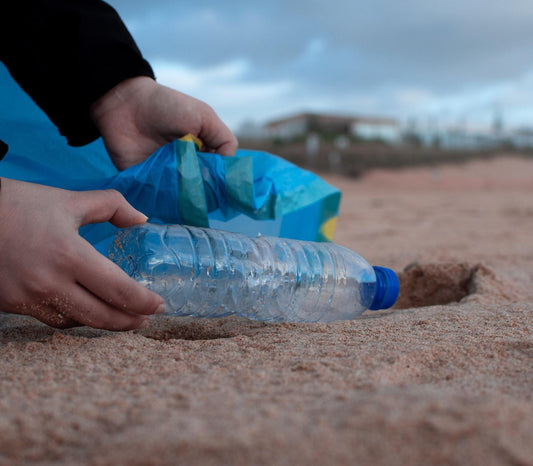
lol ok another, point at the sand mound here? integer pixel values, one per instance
(447, 283)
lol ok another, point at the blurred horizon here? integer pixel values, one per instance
(459, 62)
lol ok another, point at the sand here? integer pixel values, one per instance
(446, 377)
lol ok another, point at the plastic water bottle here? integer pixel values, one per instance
(211, 273)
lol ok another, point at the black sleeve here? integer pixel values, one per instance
(3, 149)
(65, 54)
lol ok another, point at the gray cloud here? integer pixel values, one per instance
(378, 39)
(338, 45)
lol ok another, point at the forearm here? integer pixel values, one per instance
(66, 55)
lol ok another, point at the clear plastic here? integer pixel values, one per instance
(212, 273)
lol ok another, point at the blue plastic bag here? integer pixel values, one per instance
(251, 193)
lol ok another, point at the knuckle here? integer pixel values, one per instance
(114, 196)
(234, 144)
(93, 317)
(66, 255)
(206, 109)
(70, 196)
(38, 285)
(127, 295)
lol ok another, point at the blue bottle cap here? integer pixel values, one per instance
(387, 288)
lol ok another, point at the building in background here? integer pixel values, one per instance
(458, 136)
(368, 128)
(377, 129)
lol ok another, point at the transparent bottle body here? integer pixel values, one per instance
(212, 273)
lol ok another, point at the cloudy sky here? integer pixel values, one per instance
(438, 62)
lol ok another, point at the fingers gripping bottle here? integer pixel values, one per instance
(211, 273)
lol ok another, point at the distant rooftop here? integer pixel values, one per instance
(330, 119)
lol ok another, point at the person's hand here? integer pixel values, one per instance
(48, 271)
(139, 115)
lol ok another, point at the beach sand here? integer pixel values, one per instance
(446, 377)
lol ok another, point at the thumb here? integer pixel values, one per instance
(107, 206)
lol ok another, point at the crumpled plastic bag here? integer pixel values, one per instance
(251, 193)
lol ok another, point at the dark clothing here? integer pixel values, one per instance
(3, 149)
(66, 54)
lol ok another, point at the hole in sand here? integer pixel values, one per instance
(433, 284)
(188, 328)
